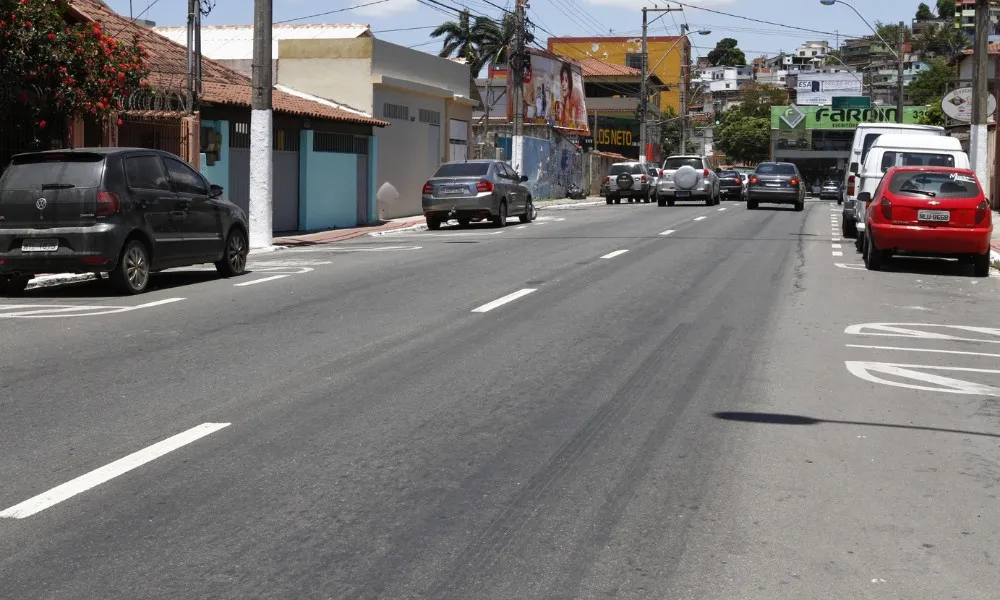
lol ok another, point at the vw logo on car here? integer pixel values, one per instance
(41, 203)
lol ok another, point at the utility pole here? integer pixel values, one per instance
(197, 54)
(899, 76)
(261, 132)
(644, 151)
(684, 96)
(978, 132)
(519, 61)
(193, 7)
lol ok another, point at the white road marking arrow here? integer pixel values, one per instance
(867, 371)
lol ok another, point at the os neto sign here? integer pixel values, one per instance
(614, 137)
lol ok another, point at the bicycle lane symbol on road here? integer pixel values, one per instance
(930, 377)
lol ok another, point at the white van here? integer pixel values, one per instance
(902, 150)
(864, 138)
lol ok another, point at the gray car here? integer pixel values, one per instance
(476, 190)
(776, 183)
(127, 212)
(687, 177)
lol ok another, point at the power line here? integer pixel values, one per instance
(331, 12)
(726, 14)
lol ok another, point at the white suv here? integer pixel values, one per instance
(687, 177)
(632, 180)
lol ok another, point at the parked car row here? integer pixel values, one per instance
(127, 212)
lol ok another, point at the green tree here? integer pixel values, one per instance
(726, 54)
(53, 69)
(745, 140)
(461, 41)
(890, 32)
(946, 9)
(934, 115)
(944, 41)
(931, 82)
(924, 13)
(670, 134)
(495, 40)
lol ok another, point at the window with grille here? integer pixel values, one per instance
(340, 142)
(395, 111)
(431, 117)
(633, 61)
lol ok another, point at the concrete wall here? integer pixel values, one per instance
(328, 187)
(339, 70)
(404, 63)
(550, 164)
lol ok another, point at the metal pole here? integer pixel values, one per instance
(197, 53)
(261, 132)
(520, 62)
(190, 54)
(995, 200)
(977, 131)
(643, 93)
(899, 82)
(683, 94)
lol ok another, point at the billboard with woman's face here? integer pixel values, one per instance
(553, 95)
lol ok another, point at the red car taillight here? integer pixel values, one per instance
(739, 180)
(706, 173)
(886, 207)
(753, 179)
(661, 172)
(607, 180)
(643, 179)
(428, 188)
(108, 204)
(982, 211)
(850, 185)
(794, 181)
(484, 186)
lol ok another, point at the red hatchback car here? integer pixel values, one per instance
(928, 211)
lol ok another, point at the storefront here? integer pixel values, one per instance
(818, 138)
(614, 135)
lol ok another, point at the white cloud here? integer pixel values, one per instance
(637, 4)
(384, 9)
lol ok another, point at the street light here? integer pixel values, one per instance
(898, 56)
(683, 93)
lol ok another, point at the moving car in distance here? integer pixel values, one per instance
(730, 185)
(928, 211)
(632, 180)
(476, 190)
(127, 212)
(830, 190)
(776, 183)
(688, 177)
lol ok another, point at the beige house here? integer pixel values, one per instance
(425, 98)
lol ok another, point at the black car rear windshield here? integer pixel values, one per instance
(672, 164)
(728, 174)
(635, 169)
(930, 184)
(775, 169)
(463, 170)
(52, 170)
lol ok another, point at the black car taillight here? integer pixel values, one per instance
(428, 188)
(108, 204)
(982, 210)
(886, 207)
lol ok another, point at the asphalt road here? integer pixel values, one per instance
(725, 411)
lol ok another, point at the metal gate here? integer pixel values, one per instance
(285, 160)
(239, 165)
(361, 148)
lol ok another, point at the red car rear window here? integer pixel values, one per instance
(936, 185)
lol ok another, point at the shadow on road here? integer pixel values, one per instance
(927, 266)
(787, 419)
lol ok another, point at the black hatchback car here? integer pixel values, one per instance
(127, 212)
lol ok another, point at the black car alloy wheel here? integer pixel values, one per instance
(234, 261)
(131, 275)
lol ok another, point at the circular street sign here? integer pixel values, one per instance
(958, 104)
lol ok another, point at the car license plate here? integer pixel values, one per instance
(454, 190)
(773, 184)
(935, 216)
(683, 194)
(39, 245)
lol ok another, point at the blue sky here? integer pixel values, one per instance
(409, 22)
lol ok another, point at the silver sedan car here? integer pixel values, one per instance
(476, 190)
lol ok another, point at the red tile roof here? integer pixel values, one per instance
(594, 67)
(220, 85)
(993, 48)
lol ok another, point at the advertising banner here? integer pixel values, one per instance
(824, 117)
(553, 94)
(819, 89)
(615, 135)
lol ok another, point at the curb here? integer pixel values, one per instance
(566, 205)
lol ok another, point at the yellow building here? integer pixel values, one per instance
(667, 57)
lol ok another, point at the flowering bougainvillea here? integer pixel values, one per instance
(51, 66)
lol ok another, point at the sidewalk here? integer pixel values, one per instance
(333, 236)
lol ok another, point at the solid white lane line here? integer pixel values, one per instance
(935, 350)
(722, 209)
(501, 301)
(614, 254)
(256, 281)
(667, 232)
(157, 303)
(700, 218)
(108, 472)
(836, 246)
(835, 253)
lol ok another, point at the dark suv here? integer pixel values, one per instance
(122, 211)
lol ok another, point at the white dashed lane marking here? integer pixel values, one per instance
(667, 232)
(614, 254)
(700, 218)
(501, 301)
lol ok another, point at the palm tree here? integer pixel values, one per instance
(461, 41)
(496, 39)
